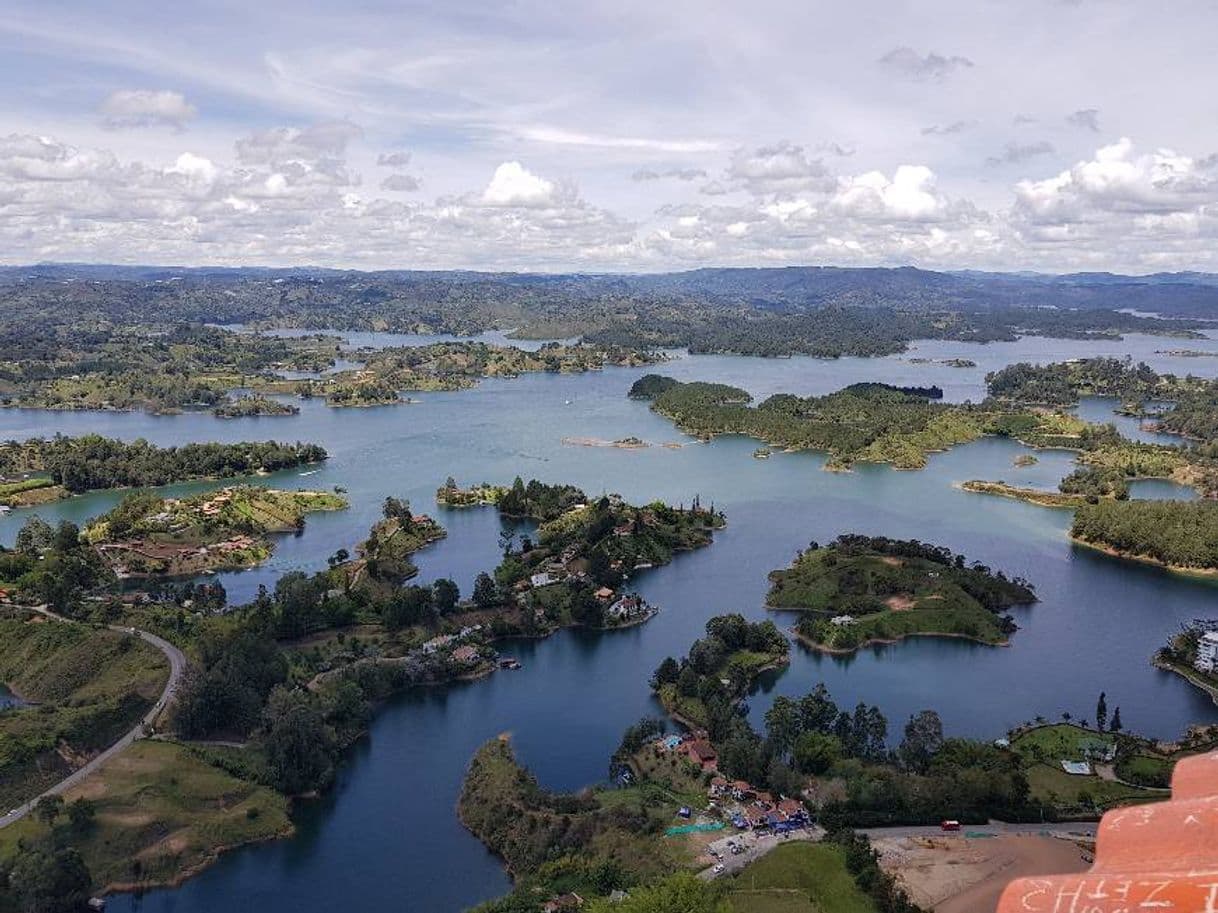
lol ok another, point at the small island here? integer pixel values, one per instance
(719, 667)
(1025, 459)
(862, 590)
(150, 536)
(246, 406)
(383, 561)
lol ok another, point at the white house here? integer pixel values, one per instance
(841, 620)
(1207, 652)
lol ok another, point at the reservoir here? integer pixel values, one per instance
(387, 836)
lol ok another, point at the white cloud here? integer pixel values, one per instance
(514, 185)
(565, 137)
(397, 159)
(783, 167)
(146, 108)
(910, 195)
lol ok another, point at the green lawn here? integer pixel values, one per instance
(1058, 742)
(799, 878)
(161, 810)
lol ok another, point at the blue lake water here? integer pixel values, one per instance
(8, 699)
(388, 838)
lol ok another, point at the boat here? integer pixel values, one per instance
(309, 472)
(762, 453)
(509, 662)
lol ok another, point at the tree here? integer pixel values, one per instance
(1101, 712)
(35, 536)
(666, 674)
(49, 880)
(923, 738)
(81, 814)
(48, 809)
(816, 752)
(444, 595)
(782, 724)
(296, 741)
(1116, 721)
(486, 594)
(397, 509)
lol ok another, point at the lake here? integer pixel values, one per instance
(387, 836)
(8, 699)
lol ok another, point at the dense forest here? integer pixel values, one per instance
(868, 422)
(1181, 534)
(92, 461)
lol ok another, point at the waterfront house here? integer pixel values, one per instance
(1207, 653)
(841, 621)
(703, 754)
(604, 594)
(540, 580)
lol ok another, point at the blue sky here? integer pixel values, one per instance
(1048, 134)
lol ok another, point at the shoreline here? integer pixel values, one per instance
(1188, 675)
(883, 642)
(1204, 573)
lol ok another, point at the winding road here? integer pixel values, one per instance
(177, 666)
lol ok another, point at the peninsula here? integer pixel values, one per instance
(150, 536)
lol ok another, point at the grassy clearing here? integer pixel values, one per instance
(799, 878)
(90, 685)
(163, 813)
(1076, 794)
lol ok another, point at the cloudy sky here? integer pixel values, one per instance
(620, 135)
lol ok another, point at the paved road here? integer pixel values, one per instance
(756, 846)
(177, 666)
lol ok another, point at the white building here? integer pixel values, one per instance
(1207, 652)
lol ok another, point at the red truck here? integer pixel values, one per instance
(950, 826)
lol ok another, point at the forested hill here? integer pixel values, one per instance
(813, 310)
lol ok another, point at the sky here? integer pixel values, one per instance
(1050, 135)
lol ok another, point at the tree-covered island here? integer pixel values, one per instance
(874, 423)
(1179, 535)
(38, 470)
(861, 590)
(572, 570)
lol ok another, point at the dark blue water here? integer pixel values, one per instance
(388, 838)
(8, 699)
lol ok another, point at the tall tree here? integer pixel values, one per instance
(1101, 712)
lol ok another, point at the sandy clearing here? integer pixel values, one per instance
(954, 875)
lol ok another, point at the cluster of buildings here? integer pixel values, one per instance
(747, 807)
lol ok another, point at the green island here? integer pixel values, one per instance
(862, 590)
(873, 423)
(719, 668)
(1192, 410)
(572, 570)
(1182, 654)
(148, 535)
(1178, 535)
(39, 470)
(246, 406)
(383, 561)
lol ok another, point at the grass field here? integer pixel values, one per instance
(799, 878)
(90, 686)
(162, 812)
